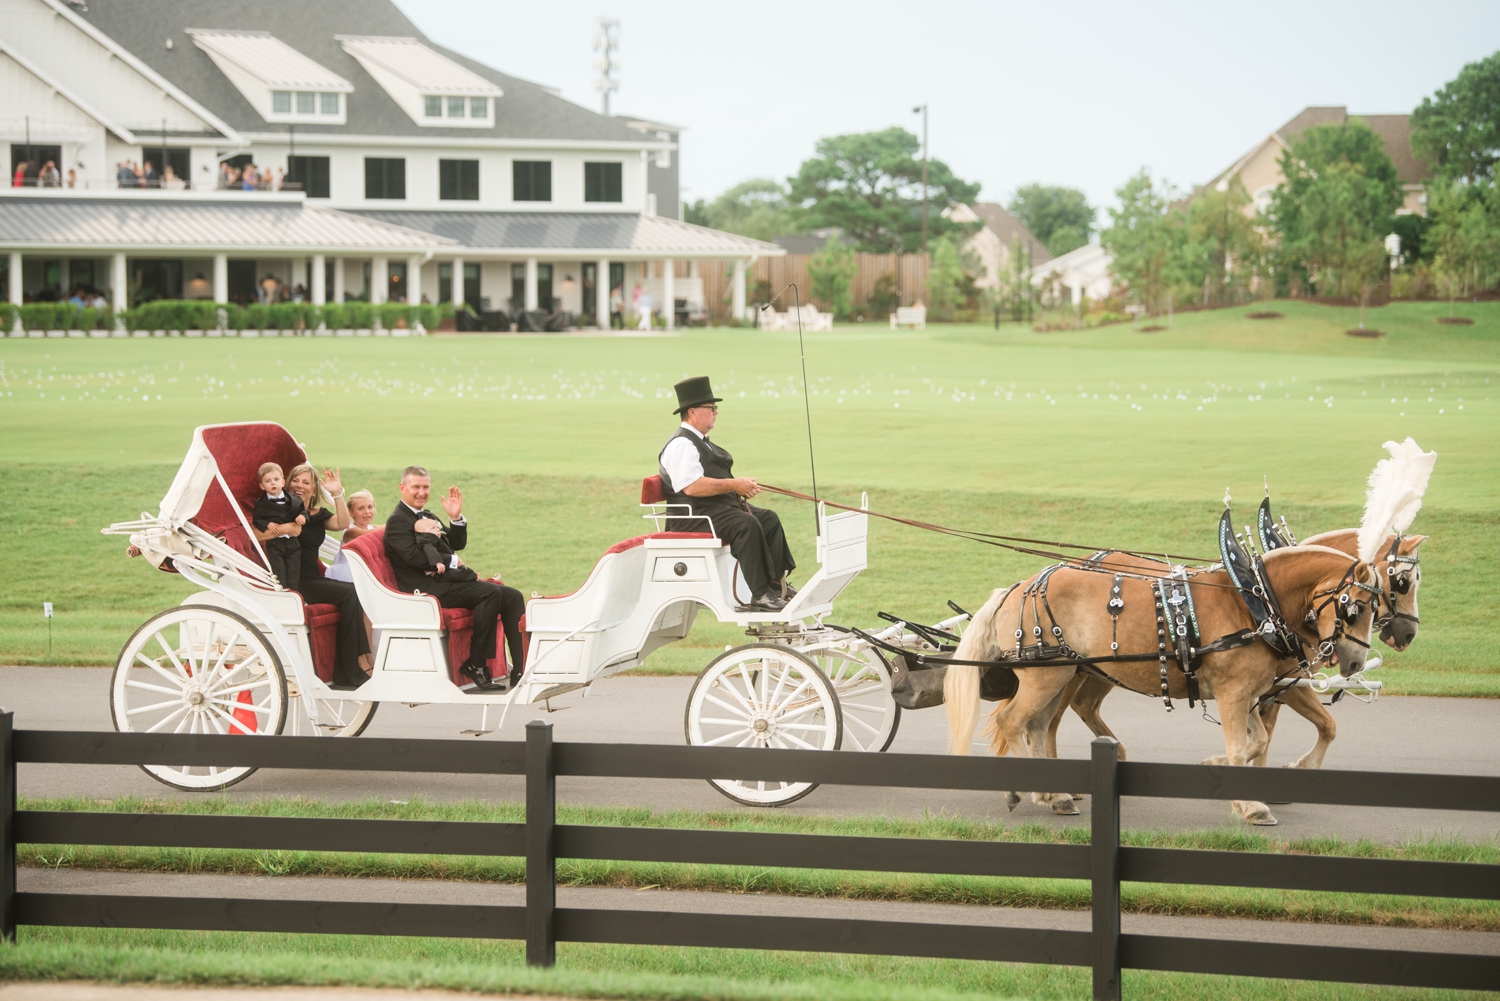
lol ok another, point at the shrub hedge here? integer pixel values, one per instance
(200, 314)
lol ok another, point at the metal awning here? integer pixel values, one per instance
(621, 235)
(182, 222)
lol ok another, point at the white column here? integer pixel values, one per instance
(338, 279)
(117, 284)
(379, 280)
(456, 293)
(64, 278)
(319, 280)
(739, 291)
(17, 285)
(413, 279)
(531, 296)
(601, 294)
(693, 268)
(669, 293)
(299, 273)
(221, 278)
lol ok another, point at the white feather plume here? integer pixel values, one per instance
(1395, 495)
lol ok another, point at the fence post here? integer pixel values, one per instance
(7, 827)
(541, 856)
(1104, 851)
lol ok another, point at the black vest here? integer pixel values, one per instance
(717, 465)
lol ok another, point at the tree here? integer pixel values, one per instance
(1457, 130)
(949, 282)
(1464, 236)
(869, 186)
(1336, 206)
(1059, 217)
(1146, 236)
(755, 208)
(1222, 242)
(832, 271)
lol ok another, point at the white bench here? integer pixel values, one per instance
(910, 316)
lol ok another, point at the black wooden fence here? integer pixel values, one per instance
(541, 840)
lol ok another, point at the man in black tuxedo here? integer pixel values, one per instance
(424, 555)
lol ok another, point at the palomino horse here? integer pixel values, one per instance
(1323, 594)
(1397, 573)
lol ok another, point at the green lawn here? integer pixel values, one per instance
(1106, 437)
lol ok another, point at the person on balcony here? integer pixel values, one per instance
(423, 554)
(697, 472)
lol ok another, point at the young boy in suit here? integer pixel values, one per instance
(276, 506)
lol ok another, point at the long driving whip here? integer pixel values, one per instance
(806, 403)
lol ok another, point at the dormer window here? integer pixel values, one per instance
(434, 90)
(280, 83)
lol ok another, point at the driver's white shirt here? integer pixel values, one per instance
(681, 461)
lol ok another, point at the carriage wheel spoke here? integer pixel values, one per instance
(235, 706)
(232, 722)
(729, 736)
(796, 740)
(177, 679)
(721, 721)
(856, 719)
(748, 682)
(168, 719)
(214, 673)
(744, 709)
(154, 688)
(172, 656)
(155, 705)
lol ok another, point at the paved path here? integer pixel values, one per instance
(332, 888)
(1459, 736)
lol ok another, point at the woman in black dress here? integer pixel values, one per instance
(326, 512)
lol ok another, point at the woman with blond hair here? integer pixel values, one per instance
(326, 511)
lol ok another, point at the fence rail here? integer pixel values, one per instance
(541, 841)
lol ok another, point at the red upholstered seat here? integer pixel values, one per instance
(458, 623)
(652, 492)
(322, 629)
(640, 540)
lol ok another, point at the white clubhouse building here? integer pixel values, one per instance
(401, 165)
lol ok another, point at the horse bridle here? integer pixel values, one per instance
(1348, 612)
(1401, 572)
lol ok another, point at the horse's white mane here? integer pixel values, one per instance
(1395, 495)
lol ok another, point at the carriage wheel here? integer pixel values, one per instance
(863, 684)
(336, 717)
(763, 695)
(198, 669)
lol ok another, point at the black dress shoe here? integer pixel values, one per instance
(477, 674)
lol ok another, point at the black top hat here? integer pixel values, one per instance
(694, 392)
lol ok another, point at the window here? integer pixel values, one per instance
(385, 178)
(601, 182)
(479, 107)
(306, 102)
(543, 287)
(434, 107)
(311, 172)
(531, 181)
(455, 107)
(330, 104)
(281, 102)
(458, 180)
(178, 159)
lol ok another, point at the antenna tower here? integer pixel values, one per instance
(607, 60)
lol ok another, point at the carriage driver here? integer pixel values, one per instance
(698, 472)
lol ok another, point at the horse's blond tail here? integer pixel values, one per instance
(961, 684)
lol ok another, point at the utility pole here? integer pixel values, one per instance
(922, 110)
(607, 62)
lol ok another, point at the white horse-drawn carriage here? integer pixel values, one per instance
(241, 655)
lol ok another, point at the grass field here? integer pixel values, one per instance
(1106, 437)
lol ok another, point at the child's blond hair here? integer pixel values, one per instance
(268, 467)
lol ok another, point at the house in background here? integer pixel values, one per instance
(996, 240)
(410, 171)
(1086, 271)
(1259, 170)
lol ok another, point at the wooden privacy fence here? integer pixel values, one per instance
(541, 841)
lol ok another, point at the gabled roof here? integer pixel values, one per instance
(268, 59)
(640, 235)
(1394, 132)
(527, 111)
(1008, 228)
(418, 65)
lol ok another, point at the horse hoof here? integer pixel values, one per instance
(1077, 795)
(1266, 821)
(1064, 808)
(1012, 800)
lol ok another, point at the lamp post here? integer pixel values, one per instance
(922, 110)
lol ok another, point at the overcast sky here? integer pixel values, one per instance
(1079, 94)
